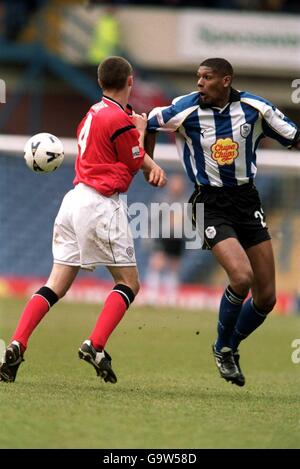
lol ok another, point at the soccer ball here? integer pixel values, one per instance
(43, 153)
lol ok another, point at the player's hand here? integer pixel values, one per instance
(140, 121)
(156, 176)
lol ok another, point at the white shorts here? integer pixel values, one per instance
(91, 229)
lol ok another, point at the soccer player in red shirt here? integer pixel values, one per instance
(91, 227)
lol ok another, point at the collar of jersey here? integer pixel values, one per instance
(234, 96)
(113, 101)
(128, 109)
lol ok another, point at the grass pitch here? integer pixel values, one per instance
(169, 393)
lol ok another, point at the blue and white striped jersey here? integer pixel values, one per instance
(218, 146)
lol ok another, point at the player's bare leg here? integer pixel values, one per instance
(119, 299)
(233, 258)
(61, 278)
(263, 265)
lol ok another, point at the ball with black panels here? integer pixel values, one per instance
(44, 153)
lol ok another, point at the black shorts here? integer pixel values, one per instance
(231, 212)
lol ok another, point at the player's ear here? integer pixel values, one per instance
(227, 81)
(130, 81)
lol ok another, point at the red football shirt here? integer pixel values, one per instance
(109, 154)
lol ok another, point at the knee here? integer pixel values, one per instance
(241, 280)
(266, 303)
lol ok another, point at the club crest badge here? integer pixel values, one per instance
(130, 251)
(210, 232)
(245, 130)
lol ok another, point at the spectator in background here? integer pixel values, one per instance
(105, 38)
(164, 264)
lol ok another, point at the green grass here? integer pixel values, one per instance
(168, 395)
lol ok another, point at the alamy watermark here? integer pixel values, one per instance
(295, 96)
(295, 357)
(166, 220)
(155, 221)
(2, 91)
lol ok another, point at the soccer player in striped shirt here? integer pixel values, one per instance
(91, 227)
(218, 130)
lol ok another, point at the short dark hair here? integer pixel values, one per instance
(113, 73)
(221, 66)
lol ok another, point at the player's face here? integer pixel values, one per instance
(213, 87)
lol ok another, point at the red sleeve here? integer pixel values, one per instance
(126, 142)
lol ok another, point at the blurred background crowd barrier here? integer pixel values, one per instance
(49, 51)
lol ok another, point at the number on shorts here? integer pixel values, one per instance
(84, 133)
(260, 214)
